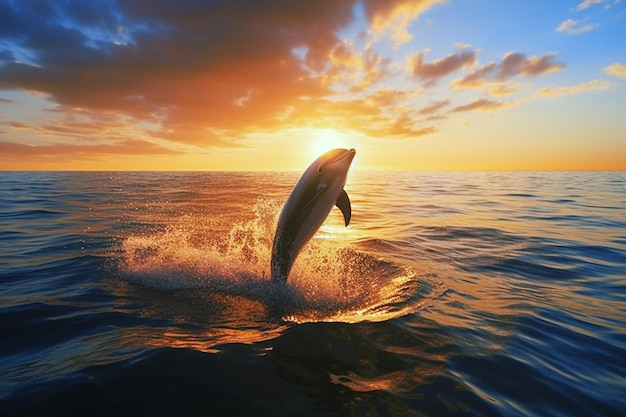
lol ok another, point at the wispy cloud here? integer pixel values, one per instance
(574, 89)
(617, 70)
(84, 151)
(434, 107)
(501, 89)
(391, 18)
(432, 71)
(569, 26)
(482, 105)
(513, 64)
(588, 3)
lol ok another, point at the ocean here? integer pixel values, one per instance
(465, 294)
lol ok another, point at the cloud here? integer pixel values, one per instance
(389, 98)
(19, 126)
(587, 3)
(513, 64)
(391, 18)
(379, 115)
(574, 89)
(568, 26)
(617, 70)
(434, 107)
(354, 70)
(6, 55)
(184, 65)
(500, 89)
(442, 67)
(6, 100)
(11, 150)
(403, 127)
(210, 73)
(201, 73)
(482, 105)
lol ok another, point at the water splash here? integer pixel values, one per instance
(332, 279)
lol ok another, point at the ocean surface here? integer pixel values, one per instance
(449, 294)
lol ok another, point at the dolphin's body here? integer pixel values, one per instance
(308, 205)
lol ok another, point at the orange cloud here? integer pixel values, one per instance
(617, 70)
(379, 115)
(19, 126)
(574, 89)
(206, 74)
(389, 98)
(434, 107)
(355, 71)
(11, 150)
(184, 67)
(392, 17)
(209, 74)
(499, 89)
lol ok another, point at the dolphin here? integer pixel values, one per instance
(318, 189)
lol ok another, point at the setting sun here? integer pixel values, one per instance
(326, 139)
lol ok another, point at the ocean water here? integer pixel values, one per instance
(465, 294)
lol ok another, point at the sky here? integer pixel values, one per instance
(271, 84)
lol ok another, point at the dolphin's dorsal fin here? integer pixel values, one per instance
(343, 202)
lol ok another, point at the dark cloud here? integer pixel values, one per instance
(512, 65)
(482, 105)
(187, 63)
(205, 72)
(6, 55)
(441, 67)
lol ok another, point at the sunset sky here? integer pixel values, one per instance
(270, 84)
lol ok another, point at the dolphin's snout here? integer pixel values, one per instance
(351, 154)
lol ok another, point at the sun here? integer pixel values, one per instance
(324, 140)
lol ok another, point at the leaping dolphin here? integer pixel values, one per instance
(308, 205)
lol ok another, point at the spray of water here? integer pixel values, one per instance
(332, 278)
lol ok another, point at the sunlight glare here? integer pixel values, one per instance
(325, 140)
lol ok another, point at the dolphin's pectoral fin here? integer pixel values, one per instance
(343, 202)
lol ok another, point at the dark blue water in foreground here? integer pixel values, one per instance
(482, 294)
